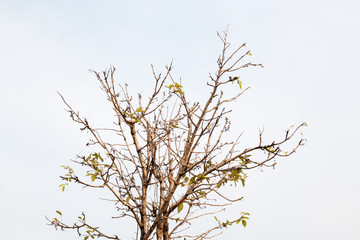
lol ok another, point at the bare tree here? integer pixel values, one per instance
(171, 160)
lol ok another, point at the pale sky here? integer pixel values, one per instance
(310, 51)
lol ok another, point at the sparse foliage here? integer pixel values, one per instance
(171, 159)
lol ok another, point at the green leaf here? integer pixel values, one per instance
(176, 88)
(180, 207)
(86, 238)
(93, 177)
(244, 223)
(243, 181)
(192, 179)
(203, 193)
(139, 109)
(58, 212)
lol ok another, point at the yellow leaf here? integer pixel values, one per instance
(244, 223)
(180, 207)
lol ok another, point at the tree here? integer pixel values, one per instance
(172, 159)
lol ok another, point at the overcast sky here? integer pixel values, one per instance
(310, 51)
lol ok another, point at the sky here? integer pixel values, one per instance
(309, 50)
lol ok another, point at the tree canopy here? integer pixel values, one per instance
(171, 158)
